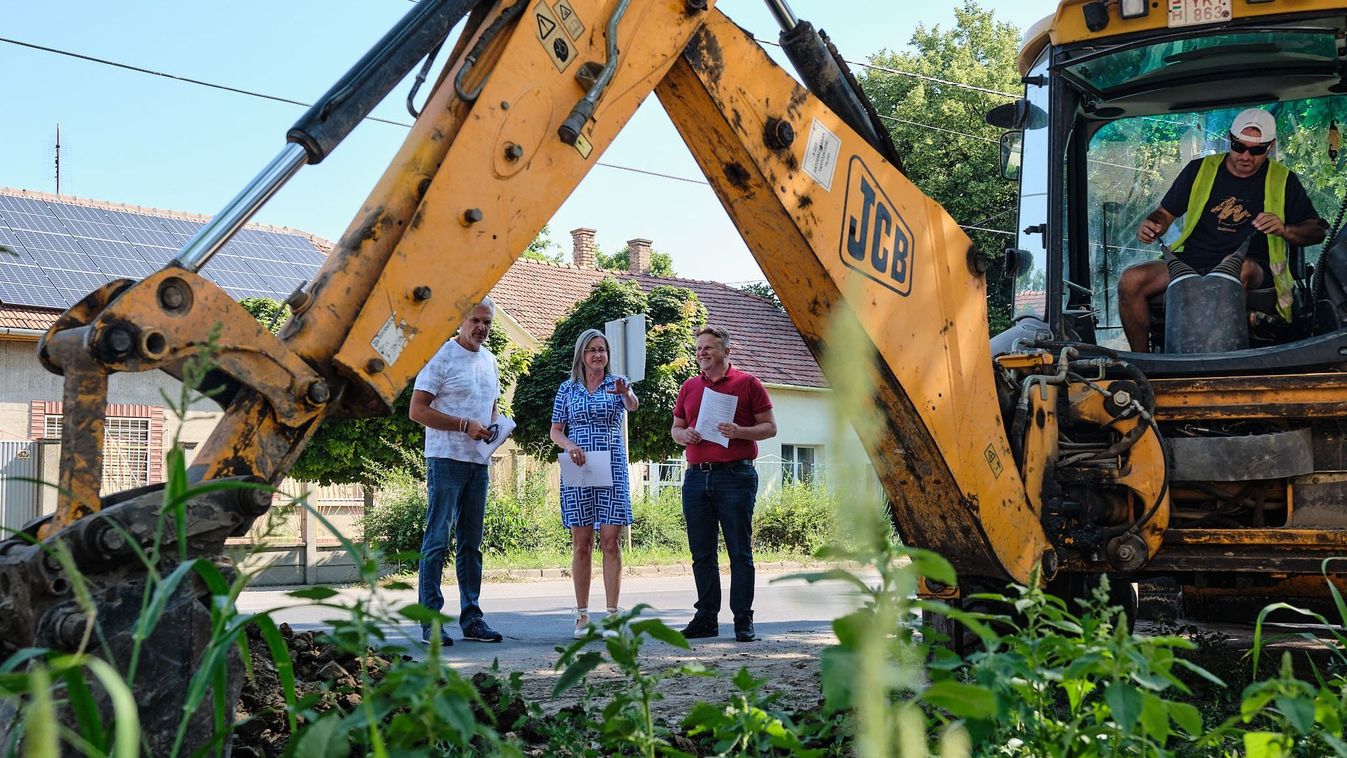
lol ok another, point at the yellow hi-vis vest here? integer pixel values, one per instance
(1274, 201)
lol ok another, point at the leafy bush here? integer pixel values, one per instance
(397, 521)
(525, 521)
(797, 518)
(657, 522)
(521, 522)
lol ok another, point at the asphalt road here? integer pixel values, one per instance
(534, 617)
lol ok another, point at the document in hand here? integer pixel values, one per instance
(597, 471)
(500, 431)
(717, 408)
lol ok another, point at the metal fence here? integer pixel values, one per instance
(19, 475)
(846, 480)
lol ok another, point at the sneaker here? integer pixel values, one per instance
(701, 626)
(581, 619)
(478, 631)
(743, 630)
(445, 639)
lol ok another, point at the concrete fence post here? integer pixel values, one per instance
(309, 527)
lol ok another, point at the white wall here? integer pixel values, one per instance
(26, 380)
(806, 416)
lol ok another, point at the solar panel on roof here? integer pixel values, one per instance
(22, 280)
(60, 251)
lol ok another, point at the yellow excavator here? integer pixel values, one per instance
(1050, 451)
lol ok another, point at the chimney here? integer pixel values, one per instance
(582, 248)
(638, 256)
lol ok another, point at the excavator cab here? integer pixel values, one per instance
(1118, 98)
(1122, 111)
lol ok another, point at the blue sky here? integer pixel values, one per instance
(133, 138)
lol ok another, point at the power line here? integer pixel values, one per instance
(912, 75)
(288, 101)
(938, 128)
(151, 72)
(984, 229)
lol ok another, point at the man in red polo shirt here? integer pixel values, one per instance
(721, 485)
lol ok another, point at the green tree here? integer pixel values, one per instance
(543, 248)
(947, 147)
(673, 316)
(661, 264)
(363, 449)
(764, 291)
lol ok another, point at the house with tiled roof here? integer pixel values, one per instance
(534, 295)
(55, 249)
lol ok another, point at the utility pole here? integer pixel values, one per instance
(58, 159)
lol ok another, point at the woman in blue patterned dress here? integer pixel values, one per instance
(587, 417)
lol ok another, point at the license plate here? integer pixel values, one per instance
(1190, 12)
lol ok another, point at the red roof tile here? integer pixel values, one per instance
(766, 344)
(24, 317)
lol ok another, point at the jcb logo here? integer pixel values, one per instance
(875, 239)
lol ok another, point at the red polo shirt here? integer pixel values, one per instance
(753, 400)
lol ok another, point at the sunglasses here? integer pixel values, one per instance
(494, 432)
(1241, 148)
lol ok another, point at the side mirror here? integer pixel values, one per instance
(1009, 116)
(1011, 154)
(1020, 114)
(1018, 262)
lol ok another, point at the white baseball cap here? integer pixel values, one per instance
(1254, 118)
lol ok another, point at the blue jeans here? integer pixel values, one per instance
(456, 495)
(721, 501)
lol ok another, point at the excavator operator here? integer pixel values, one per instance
(1223, 199)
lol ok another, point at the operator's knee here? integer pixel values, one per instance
(1130, 283)
(1141, 281)
(1251, 275)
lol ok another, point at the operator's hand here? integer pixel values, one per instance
(691, 436)
(576, 455)
(729, 430)
(620, 387)
(1269, 224)
(1149, 231)
(477, 432)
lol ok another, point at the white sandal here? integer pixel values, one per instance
(581, 618)
(610, 633)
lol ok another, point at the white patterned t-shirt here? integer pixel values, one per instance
(464, 384)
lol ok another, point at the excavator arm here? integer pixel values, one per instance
(531, 96)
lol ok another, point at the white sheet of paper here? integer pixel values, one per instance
(505, 425)
(597, 471)
(717, 408)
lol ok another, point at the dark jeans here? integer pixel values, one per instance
(456, 493)
(716, 501)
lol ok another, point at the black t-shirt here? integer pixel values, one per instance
(1230, 211)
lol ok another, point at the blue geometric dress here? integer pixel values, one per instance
(594, 422)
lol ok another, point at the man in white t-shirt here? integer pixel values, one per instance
(455, 399)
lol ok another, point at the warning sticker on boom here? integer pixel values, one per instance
(559, 49)
(820, 155)
(390, 340)
(569, 20)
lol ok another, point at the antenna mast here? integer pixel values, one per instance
(58, 159)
